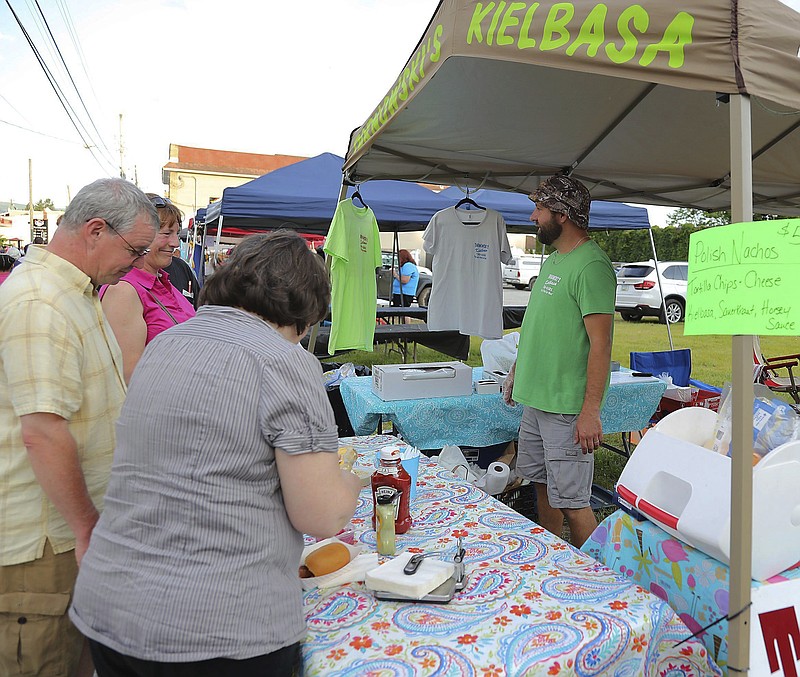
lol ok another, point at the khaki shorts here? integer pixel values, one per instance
(36, 636)
(547, 454)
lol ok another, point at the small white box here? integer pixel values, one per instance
(495, 375)
(487, 386)
(420, 381)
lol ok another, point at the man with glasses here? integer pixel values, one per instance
(61, 390)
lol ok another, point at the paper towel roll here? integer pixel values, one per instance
(496, 478)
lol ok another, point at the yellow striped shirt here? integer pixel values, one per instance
(57, 355)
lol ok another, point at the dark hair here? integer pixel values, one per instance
(405, 257)
(6, 263)
(275, 276)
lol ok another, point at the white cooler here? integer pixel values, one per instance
(686, 490)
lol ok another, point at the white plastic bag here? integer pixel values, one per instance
(500, 354)
(452, 458)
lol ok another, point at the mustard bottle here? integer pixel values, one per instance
(384, 523)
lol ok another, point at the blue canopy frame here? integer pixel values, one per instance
(304, 195)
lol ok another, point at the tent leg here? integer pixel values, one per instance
(660, 288)
(216, 243)
(741, 536)
(312, 339)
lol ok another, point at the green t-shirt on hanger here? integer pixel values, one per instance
(354, 245)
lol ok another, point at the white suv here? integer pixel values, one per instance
(522, 270)
(637, 290)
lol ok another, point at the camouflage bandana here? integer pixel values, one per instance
(564, 195)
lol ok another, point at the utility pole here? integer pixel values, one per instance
(30, 197)
(69, 197)
(121, 151)
(136, 175)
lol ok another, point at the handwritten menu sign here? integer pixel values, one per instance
(745, 279)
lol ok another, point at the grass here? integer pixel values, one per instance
(711, 362)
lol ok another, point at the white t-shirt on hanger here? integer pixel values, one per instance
(468, 247)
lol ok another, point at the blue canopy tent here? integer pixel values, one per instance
(304, 196)
(197, 248)
(516, 209)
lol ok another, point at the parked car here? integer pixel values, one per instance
(521, 271)
(638, 295)
(384, 279)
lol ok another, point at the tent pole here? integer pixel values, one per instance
(741, 525)
(312, 339)
(216, 243)
(660, 288)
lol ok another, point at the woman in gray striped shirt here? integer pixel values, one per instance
(193, 566)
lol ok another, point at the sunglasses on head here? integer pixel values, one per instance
(160, 201)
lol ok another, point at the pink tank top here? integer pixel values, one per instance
(163, 306)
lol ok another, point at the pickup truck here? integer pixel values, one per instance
(521, 271)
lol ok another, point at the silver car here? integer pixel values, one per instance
(638, 295)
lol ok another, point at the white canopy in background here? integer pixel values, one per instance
(684, 103)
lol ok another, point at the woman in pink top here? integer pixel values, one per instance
(145, 303)
(6, 265)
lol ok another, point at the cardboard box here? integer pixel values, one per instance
(420, 381)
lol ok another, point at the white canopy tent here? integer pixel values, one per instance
(689, 103)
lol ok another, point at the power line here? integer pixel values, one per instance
(33, 131)
(63, 9)
(72, 80)
(59, 93)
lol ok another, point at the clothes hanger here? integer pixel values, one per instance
(357, 196)
(469, 201)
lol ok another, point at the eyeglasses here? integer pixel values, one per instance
(159, 201)
(133, 251)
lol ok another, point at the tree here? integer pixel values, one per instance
(47, 203)
(697, 217)
(701, 219)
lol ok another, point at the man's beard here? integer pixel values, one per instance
(549, 233)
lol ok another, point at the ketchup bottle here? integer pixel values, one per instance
(392, 477)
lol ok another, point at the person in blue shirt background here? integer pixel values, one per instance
(404, 287)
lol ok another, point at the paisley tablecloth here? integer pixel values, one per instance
(694, 584)
(482, 420)
(533, 605)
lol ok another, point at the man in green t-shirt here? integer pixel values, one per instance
(563, 362)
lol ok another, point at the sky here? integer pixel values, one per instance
(271, 77)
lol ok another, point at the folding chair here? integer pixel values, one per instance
(765, 371)
(675, 363)
(678, 365)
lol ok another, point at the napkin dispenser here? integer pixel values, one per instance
(421, 381)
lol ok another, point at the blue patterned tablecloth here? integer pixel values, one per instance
(482, 420)
(694, 584)
(533, 605)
